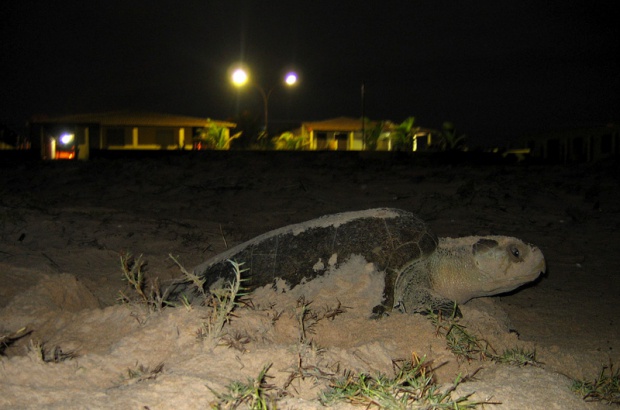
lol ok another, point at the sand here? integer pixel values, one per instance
(64, 226)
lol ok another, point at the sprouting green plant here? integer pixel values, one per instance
(186, 302)
(197, 281)
(133, 270)
(133, 273)
(605, 388)
(413, 386)
(254, 393)
(222, 302)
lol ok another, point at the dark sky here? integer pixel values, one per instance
(497, 69)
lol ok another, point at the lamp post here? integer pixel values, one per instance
(240, 77)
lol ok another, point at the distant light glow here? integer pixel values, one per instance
(239, 77)
(66, 138)
(290, 79)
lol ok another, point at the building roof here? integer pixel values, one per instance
(131, 118)
(336, 124)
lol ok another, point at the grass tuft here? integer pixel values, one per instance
(222, 302)
(463, 344)
(605, 388)
(134, 270)
(413, 386)
(467, 346)
(517, 357)
(253, 394)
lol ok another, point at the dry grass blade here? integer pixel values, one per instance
(9, 338)
(140, 373)
(308, 318)
(237, 340)
(56, 355)
(37, 350)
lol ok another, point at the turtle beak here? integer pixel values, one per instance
(541, 267)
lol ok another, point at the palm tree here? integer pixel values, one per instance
(372, 134)
(449, 141)
(290, 141)
(215, 137)
(401, 136)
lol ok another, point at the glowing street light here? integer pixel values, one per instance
(240, 77)
(290, 79)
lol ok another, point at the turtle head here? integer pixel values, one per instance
(504, 263)
(470, 267)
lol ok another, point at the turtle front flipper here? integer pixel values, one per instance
(443, 307)
(423, 301)
(413, 292)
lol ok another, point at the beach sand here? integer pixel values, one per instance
(65, 225)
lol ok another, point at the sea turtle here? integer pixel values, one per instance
(422, 272)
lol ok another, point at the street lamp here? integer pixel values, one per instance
(240, 77)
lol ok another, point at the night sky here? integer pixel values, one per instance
(497, 69)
